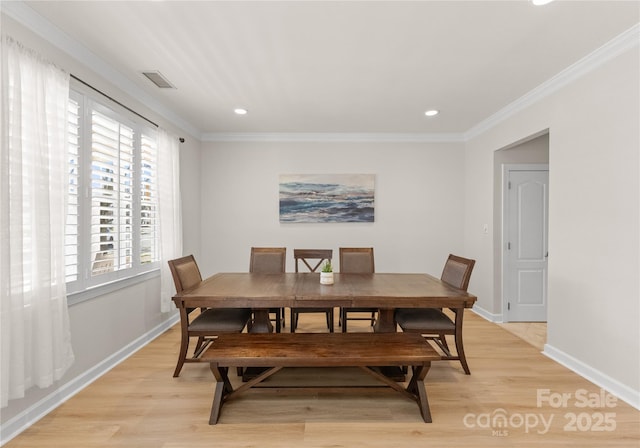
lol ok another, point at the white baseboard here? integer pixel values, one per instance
(623, 392)
(486, 314)
(14, 426)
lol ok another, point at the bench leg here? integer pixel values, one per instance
(423, 403)
(217, 404)
(388, 381)
(417, 387)
(258, 379)
(221, 374)
(218, 393)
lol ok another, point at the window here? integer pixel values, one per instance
(112, 218)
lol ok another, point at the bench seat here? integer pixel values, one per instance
(279, 350)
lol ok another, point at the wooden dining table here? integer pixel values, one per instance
(384, 291)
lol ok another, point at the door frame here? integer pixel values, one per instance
(506, 169)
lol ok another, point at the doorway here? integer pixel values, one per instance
(525, 242)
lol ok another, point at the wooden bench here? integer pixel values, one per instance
(277, 350)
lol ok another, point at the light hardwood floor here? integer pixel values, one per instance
(139, 404)
(534, 333)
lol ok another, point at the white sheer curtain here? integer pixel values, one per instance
(35, 347)
(170, 213)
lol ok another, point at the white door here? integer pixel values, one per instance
(526, 249)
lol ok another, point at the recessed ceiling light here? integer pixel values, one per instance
(240, 111)
(540, 2)
(432, 113)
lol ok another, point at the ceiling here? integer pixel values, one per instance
(339, 66)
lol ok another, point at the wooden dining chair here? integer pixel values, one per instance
(434, 323)
(312, 260)
(206, 324)
(270, 260)
(356, 260)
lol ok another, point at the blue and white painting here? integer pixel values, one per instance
(326, 197)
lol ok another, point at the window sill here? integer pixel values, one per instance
(97, 291)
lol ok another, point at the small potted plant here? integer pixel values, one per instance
(326, 275)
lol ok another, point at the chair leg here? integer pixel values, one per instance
(343, 316)
(278, 322)
(293, 321)
(199, 344)
(443, 340)
(184, 346)
(463, 358)
(330, 320)
(458, 339)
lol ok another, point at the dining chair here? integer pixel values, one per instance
(312, 260)
(434, 323)
(206, 324)
(270, 260)
(356, 260)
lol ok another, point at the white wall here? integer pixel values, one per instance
(190, 196)
(419, 202)
(594, 305)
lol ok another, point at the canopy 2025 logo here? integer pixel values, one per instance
(594, 418)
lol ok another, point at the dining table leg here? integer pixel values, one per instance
(386, 322)
(261, 322)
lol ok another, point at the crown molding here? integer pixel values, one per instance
(330, 137)
(618, 45)
(26, 16)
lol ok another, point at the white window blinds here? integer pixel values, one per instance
(149, 219)
(71, 241)
(112, 219)
(111, 195)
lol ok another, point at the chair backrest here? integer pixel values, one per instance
(319, 256)
(356, 260)
(185, 272)
(457, 271)
(268, 260)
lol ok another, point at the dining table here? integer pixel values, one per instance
(384, 291)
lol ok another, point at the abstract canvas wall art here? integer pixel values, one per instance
(327, 197)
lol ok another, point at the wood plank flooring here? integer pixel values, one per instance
(535, 333)
(139, 404)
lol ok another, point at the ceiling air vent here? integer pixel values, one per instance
(159, 80)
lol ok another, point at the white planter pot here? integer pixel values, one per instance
(326, 278)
